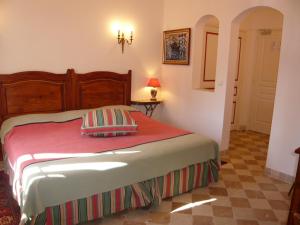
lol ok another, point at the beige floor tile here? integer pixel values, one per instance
(204, 210)
(259, 204)
(283, 187)
(237, 161)
(110, 221)
(240, 202)
(257, 172)
(160, 218)
(285, 195)
(128, 222)
(233, 184)
(165, 206)
(279, 204)
(267, 187)
(247, 222)
(263, 179)
(180, 219)
(138, 215)
(200, 197)
(203, 220)
(222, 201)
(270, 223)
(228, 166)
(150, 223)
(282, 215)
(243, 172)
(230, 177)
(183, 198)
(222, 211)
(224, 221)
(228, 171)
(234, 155)
(177, 205)
(217, 191)
(218, 184)
(249, 157)
(200, 191)
(274, 195)
(265, 215)
(243, 213)
(254, 194)
(247, 178)
(250, 161)
(251, 186)
(276, 181)
(254, 167)
(240, 166)
(236, 193)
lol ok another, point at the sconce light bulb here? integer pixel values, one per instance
(125, 34)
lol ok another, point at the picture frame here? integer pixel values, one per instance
(176, 46)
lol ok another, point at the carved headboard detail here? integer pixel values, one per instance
(44, 92)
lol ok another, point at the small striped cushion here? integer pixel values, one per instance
(108, 122)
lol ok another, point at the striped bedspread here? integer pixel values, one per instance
(142, 194)
(61, 177)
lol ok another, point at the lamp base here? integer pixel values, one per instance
(153, 94)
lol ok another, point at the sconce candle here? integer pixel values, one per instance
(154, 83)
(122, 39)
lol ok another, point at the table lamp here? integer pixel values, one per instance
(154, 83)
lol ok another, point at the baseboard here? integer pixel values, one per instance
(242, 127)
(279, 176)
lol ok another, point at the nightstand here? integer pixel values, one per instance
(149, 105)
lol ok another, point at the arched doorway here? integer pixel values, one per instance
(253, 69)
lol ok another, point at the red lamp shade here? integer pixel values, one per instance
(153, 82)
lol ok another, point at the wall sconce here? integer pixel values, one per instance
(122, 39)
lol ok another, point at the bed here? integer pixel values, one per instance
(61, 177)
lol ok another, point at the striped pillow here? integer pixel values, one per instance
(108, 122)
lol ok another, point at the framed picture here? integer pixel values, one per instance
(177, 46)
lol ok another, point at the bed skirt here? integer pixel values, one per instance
(138, 195)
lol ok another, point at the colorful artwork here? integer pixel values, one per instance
(177, 46)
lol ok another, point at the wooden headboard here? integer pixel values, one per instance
(43, 92)
(99, 88)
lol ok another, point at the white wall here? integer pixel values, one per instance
(54, 35)
(208, 113)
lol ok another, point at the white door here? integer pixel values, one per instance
(264, 83)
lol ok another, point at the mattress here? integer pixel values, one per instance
(74, 172)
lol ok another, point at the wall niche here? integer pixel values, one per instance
(206, 51)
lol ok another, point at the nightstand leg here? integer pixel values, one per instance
(150, 109)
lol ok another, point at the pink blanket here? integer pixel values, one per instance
(33, 143)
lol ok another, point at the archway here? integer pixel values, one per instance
(264, 20)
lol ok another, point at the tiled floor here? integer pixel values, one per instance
(244, 195)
